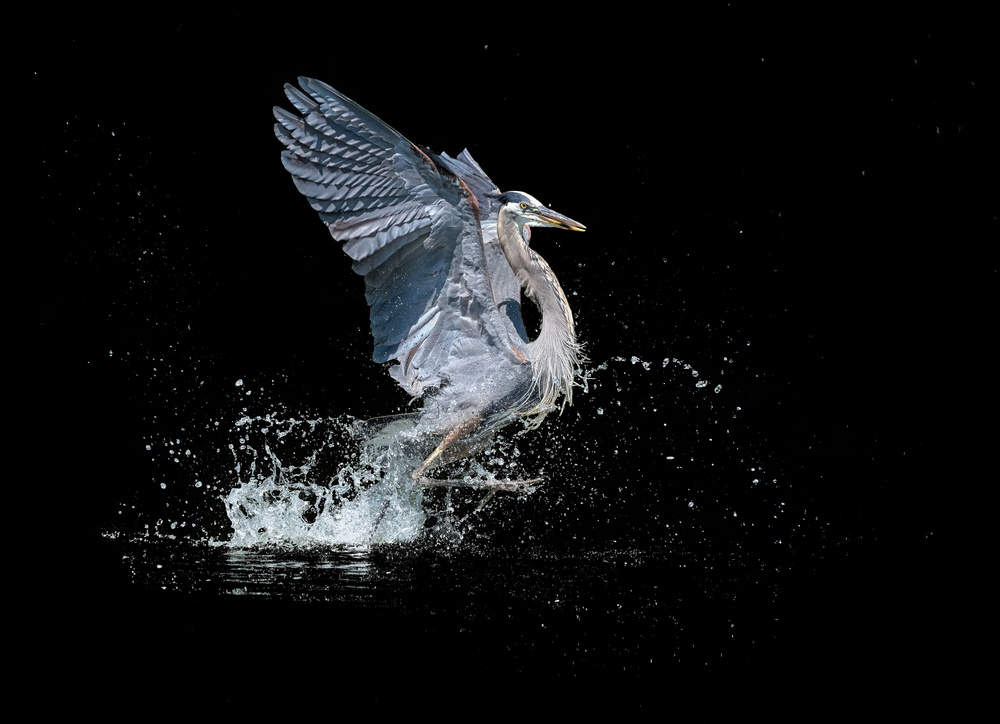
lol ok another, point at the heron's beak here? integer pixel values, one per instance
(552, 218)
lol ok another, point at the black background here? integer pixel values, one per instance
(805, 201)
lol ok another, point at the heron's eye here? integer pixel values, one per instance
(524, 205)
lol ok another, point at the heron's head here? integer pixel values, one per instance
(529, 211)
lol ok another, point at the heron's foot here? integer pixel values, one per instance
(492, 485)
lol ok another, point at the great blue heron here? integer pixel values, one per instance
(444, 255)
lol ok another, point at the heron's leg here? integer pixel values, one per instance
(452, 449)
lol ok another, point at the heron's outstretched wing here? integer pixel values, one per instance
(411, 227)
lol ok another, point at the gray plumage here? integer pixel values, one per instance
(445, 256)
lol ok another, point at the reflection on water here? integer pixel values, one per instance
(503, 628)
(182, 568)
(627, 615)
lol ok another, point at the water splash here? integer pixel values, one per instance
(302, 482)
(317, 482)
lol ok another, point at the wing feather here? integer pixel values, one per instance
(411, 227)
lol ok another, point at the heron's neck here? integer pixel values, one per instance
(555, 354)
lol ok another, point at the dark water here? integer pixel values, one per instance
(648, 629)
(771, 498)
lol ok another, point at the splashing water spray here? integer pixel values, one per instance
(307, 482)
(289, 490)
